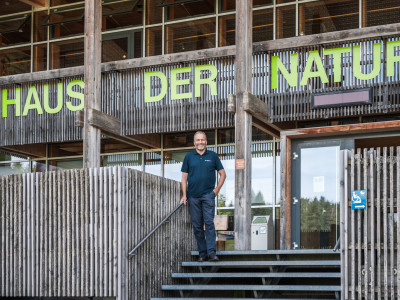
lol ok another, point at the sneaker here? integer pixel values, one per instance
(202, 258)
(213, 257)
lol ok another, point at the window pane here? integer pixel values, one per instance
(262, 173)
(285, 22)
(263, 25)
(186, 139)
(152, 163)
(15, 30)
(228, 5)
(226, 196)
(38, 166)
(262, 2)
(259, 135)
(40, 31)
(56, 165)
(67, 54)
(116, 49)
(121, 14)
(66, 21)
(284, 1)
(63, 2)
(231, 4)
(227, 30)
(190, 9)
(137, 50)
(40, 58)
(131, 160)
(12, 7)
(173, 164)
(14, 168)
(7, 157)
(327, 16)
(380, 12)
(153, 12)
(15, 61)
(226, 136)
(189, 36)
(153, 41)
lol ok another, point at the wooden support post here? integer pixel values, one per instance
(243, 121)
(92, 135)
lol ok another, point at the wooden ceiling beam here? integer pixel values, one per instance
(36, 3)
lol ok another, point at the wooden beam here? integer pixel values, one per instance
(104, 122)
(289, 43)
(342, 129)
(328, 38)
(255, 107)
(258, 109)
(36, 3)
(110, 126)
(243, 125)
(92, 57)
(266, 128)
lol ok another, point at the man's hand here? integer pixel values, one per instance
(216, 191)
(183, 200)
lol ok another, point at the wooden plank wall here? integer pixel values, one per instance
(371, 237)
(123, 96)
(68, 233)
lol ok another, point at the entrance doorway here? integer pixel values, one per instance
(316, 178)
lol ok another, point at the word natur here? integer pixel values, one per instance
(315, 59)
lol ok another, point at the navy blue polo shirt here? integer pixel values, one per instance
(201, 169)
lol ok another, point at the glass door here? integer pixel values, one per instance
(315, 194)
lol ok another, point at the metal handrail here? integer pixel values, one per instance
(154, 230)
(337, 245)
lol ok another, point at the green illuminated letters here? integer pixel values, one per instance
(147, 86)
(179, 82)
(337, 61)
(314, 57)
(16, 102)
(198, 81)
(46, 104)
(376, 63)
(32, 93)
(176, 83)
(291, 77)
(391, 58)
(76, 95)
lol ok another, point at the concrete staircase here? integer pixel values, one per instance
(272, 274)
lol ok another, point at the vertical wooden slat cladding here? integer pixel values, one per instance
(68, 233)
(372, 241)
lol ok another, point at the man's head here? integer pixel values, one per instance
(200, 141)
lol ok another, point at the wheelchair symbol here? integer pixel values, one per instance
(356, 198)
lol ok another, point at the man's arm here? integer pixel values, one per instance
(184, 187)
(222, 176)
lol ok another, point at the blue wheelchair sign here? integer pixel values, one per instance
(359, 199)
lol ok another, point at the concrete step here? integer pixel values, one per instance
(250, 287)
(202, 298)
(274, 252)
(263, 263)
(259, 275)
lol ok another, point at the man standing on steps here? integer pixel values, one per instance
(198, 188)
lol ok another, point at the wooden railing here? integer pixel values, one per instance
(370, 237)
(68, 233)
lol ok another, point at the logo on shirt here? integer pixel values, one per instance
(208, 160)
